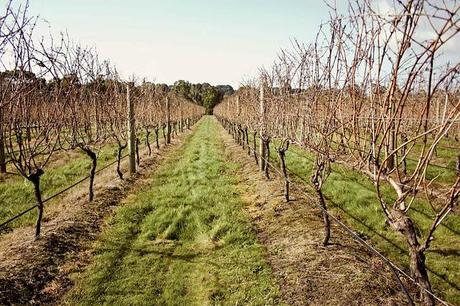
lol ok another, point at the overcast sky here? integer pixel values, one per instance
(215, 41)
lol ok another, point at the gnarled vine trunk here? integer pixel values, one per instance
(157, 141)
(138, 159)
(403, 224)
(92, 172)
(164, 133)
(326, 221)
(282, 158)
(247, 140)
(254, 137)
(147, 141)
(35, 180)
(267, 157)
(120, 151)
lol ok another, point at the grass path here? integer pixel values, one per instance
(184, 240)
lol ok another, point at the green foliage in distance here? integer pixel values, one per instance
(202, 94)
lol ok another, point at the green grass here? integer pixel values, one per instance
(353, 197)
(16, 192)
(442, 165)
(183, 240)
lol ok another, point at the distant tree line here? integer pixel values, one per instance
(203, 94)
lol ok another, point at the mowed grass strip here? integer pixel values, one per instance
(185, 240)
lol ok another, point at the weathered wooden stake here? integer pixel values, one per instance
(2, 145)
(168, 122)
(262, 146)
(131, 132)
(238, 108)
(181, 123)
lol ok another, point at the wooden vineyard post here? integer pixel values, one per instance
(238, 111)
(2, 145)
(168, 122)
(181, 127)
(262, 126)
(238, 108)
(131, 132)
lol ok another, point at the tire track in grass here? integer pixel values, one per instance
(185, 240)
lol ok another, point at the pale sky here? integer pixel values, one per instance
(215, 41)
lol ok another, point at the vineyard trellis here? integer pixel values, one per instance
(59, 96)
(373, 93)
(284, 171)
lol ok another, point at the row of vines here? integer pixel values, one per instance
(378, 92)
(59, 96)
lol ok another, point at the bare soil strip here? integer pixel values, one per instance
(309, 274)
(37, 272)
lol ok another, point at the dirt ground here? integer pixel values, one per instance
(342, 273)
(38, 272)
